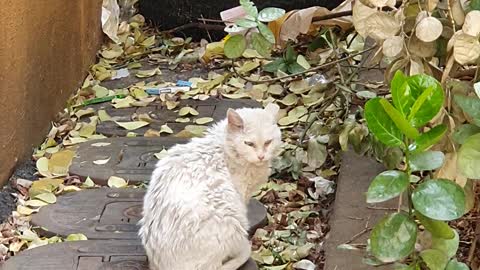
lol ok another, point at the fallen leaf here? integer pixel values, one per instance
(103, 116)
(76, 237)
(35, 203)
(101, 161)
(116, 182)
(47, 197)
(101, 144)
(148, 73)
(466, 49)
(182, 120)
(60, 162)
(132, 125)
(203, 120)
(166, 129)
(42, 166)
(88, 183)
(471, 26)
(393, 46)
(186, 111)
(100, 91)
(161, 154)
(84, 112)
(381, 26)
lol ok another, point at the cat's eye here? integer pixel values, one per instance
(267, 143)
(251, 144)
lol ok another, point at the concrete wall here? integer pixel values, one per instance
(46, 47)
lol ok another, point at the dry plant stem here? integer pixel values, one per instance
(473, 247)
(305, 71)
(382, 208)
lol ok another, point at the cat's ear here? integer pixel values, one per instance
(235, 121)
(272, 109)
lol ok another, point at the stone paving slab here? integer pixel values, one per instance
(109, 214)
(351, 214)
(130, 158)
(213, 107)
(87, 255)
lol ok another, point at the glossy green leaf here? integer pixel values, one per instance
(456, 265)
(428, 139)
(434, 259)
(274, 65)
(266, 33)
(393, 238)
(261, 45)
(469, 157)
(405, 96)
(447, 246)
(387, 185)
(235, 46)
(437, 228)
(295, 68)
(439, 199)
(381, 125)
(399, 120)
(461, 133)
(470, 105)
(270, 14)
(433, 101)
(246, 23)
(426, 161)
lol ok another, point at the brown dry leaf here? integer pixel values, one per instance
(420, 48)
(416, 66)
(457, 11)
(393, 46)
(429, 29)
(431, 5)
(381, 26)
(471, 26)
(466, 49)
(360, 14)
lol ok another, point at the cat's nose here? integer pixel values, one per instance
(261, 156)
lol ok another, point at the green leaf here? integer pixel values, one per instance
(433, 101)
(274, 65)
(393, 238)
(261, 45)
(290, 55)
(464, 131)
(270, 14)
(469, 156)
(266, 33)
(447, 246)
(235, 46)
(426, 161)
(434, 259)
(249, 8)
(439, 199)
(381, 125)
(437, 228)
(246, 23)
(387, 185)
(405, 95)
(428, 139)
(470, 105)
(295, 68)
(399, 120)
(456, 265)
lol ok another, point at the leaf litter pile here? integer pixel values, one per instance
(315, 119)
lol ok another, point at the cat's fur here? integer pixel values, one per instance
(195, 215)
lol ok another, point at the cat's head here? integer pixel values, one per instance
(253, 134)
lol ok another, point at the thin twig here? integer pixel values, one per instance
(305, 71)
(358, 235)
(208, 32)
(205, 26)
(382, 208)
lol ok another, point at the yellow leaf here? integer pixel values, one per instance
(35, 203)
(76, 237)
(116, 182)
(151, 133)
(23, 210)
(236, 95)
(182, 120)
(186, 111)
(166, 129)
(148, 73)
(42, 166)
(44, 185)
(289, 100)
(88, 183)
(60, 162)
(84, 112)
(47, 197)
(132, 125)
(203, 120)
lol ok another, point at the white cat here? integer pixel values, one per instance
(195, 215)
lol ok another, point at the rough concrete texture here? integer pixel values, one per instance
(351, 214)
(47, 46)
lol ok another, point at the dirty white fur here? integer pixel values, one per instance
(195, 215)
